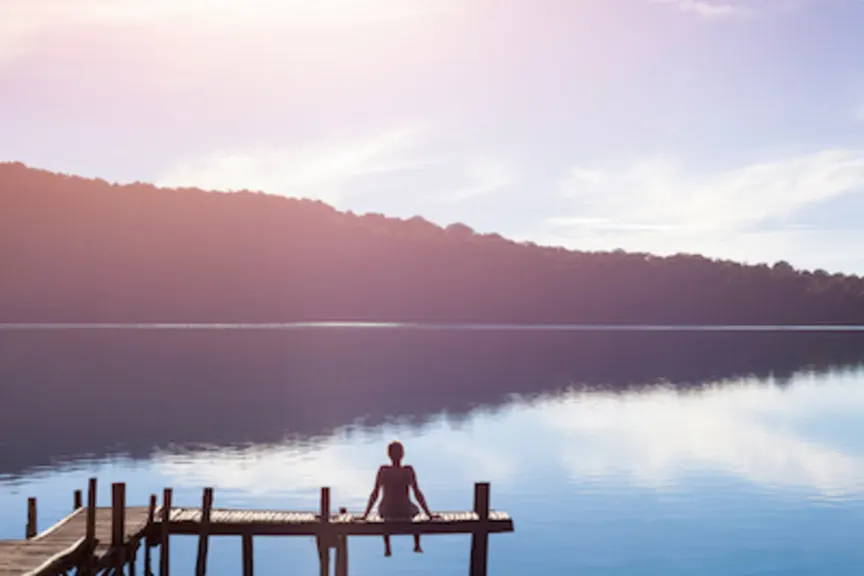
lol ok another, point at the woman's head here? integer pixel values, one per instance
(395, 451)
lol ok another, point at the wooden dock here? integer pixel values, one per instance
(93, 539)
(60, 547)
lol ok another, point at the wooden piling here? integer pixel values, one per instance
(90, 529)
(30, 531)
(341, 556)
(480, 537)
(164, 541)
(76, 500)
(341, 568)
(204, 533)
(148, 536)
(248, 564)
(118, 525)
(324, 534)
(133, 527)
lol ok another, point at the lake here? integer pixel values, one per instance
(617, 452)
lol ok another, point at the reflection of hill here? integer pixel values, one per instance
(68, 394)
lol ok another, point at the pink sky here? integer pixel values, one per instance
(730, 128)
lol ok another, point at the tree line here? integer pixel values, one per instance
(78, 249)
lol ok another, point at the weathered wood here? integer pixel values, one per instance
(248, 562)
(341, 555)
(323, 537)
(30, 530)
(87, 567)
(204, 532)
(60, 562)
(111, 535)
(186, 521)
(480, 536)
(341, 568)
(118, 526)
(164, 540)
(76, 500)
(63, 546)
(148, 538)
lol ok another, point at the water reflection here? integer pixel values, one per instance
(620, 453)
(749, 429)
(446, 457)
(656, 438)
(74, 395)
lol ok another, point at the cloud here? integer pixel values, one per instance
(338, 170)
(708, 8)
(329, 170)
(655, 204)
(485, 175)
(727, 9)
(660, 191)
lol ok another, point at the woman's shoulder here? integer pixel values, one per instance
(390, 467)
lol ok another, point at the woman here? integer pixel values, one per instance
(395, 480)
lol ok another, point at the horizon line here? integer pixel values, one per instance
(477, 326)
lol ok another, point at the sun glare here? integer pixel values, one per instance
(322, 10)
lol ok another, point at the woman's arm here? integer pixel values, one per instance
(418, 494)
(373, 497)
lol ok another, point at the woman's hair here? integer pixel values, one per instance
(395, 450)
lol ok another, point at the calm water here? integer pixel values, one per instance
(616, 452)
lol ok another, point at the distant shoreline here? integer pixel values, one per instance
(426, 326)
(82, 253)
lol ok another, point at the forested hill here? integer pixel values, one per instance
(83, 250)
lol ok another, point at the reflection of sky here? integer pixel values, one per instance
(445, 457)
(739, 476)
(651, 438)
(741, 429)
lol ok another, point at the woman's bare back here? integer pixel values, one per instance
(396, 483)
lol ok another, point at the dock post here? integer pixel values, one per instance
(341, 556)
(341, 568)
(204, 532)
(76, 500)
(164, 556)
(324, 533)
(148, 536)
(480, 536)
(87, 569)
(248, 564)
(30, 531)
(118, 525)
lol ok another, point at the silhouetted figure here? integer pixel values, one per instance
(395, 480)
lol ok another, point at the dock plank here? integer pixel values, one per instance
(63, 543)
(228, 522)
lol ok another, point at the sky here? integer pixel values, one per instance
(730, 128)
